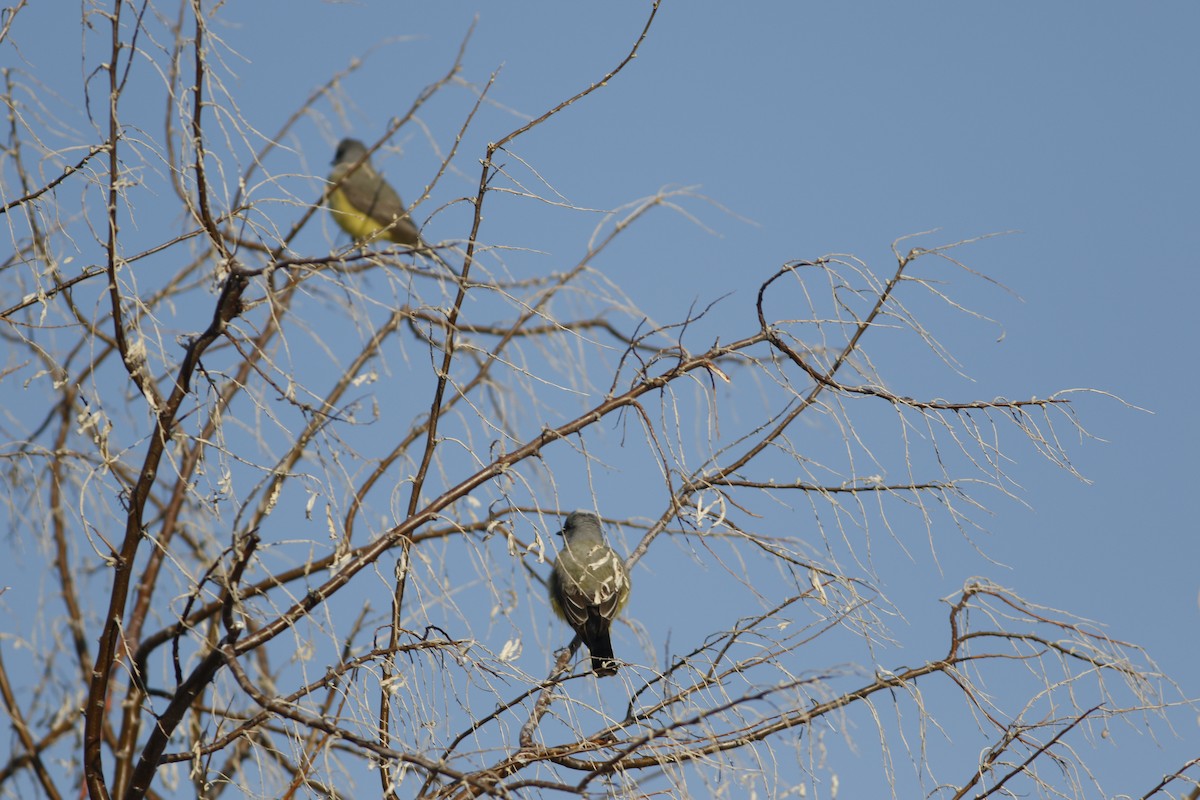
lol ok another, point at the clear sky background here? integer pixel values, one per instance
(838, 128)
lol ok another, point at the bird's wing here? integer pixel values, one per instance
(602, 587)
(367, 191)
(572, 601)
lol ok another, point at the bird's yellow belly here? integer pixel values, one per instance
(351, 220)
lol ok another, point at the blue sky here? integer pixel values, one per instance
(838, 128)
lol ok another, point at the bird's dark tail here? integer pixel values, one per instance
(600, 646)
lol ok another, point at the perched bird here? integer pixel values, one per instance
(362, 202)
(588, 587)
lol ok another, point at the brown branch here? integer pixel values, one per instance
(1020, 768)
(59, 286)
(633, 51)
(70, 170)
(812, 487)
(20, 725)
(311, 722)
(202, 674)
(98, 691)
(1177, 775)
(330, 680)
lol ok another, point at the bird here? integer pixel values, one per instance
(364, 205)
(589, 586)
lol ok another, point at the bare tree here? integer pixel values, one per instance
(294, 507)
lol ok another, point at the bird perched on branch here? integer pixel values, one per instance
(589, 586)
(364, 205)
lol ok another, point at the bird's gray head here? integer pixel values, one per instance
(349, 151)
(582, 526)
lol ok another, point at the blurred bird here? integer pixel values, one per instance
(589, 586)
(362, 202)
